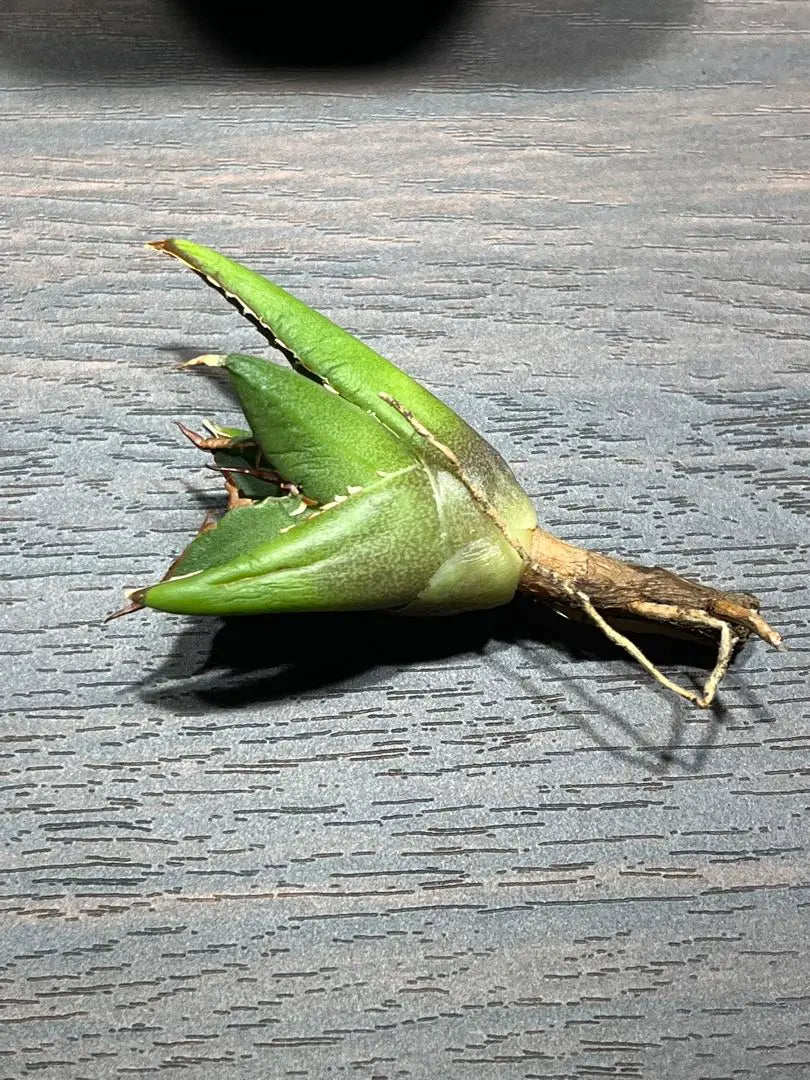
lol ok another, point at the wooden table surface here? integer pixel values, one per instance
(485, 847)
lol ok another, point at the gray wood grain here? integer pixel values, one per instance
(485, 847)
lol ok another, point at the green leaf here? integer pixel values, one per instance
(375, 549)
(313, 437)
(359, 374)
(239, 530)
(479, 568)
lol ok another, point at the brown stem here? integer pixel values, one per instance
(584, 581)
(557, 571)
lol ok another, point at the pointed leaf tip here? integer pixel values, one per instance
(134, 598)
(206, 360)
(185, 250)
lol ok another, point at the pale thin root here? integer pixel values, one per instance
(625, 643)
(728, 641)
(671, 613)
(729, 609)
(698, 618)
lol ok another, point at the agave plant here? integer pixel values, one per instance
(353, 488)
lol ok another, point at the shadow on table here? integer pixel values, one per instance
(566, 42)
(248, 661)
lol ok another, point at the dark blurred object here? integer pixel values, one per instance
(469, 43)
(315, 33)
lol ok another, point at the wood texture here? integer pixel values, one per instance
(484, 847)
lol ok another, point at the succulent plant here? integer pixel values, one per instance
(352, 487)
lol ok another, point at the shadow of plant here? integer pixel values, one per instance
(246, 662)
